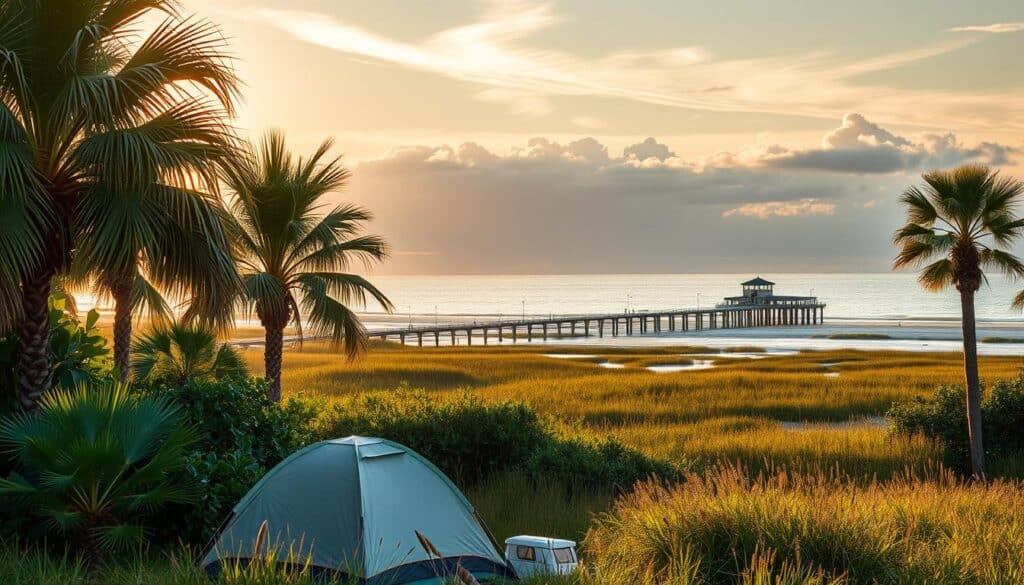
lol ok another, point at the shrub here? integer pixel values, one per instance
(242, 435)
(586, 463)
(78, 351)
(944, 417)
(180, 352)
(471, 439)
(94, 461)
(465, 437)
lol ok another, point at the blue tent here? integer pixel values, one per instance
(352, 507)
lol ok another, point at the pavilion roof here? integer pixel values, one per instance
(758, 282)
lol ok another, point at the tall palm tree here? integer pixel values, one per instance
(959, 224)
(99, 116)
(294, 258)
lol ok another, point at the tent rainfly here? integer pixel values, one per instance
(352, 507)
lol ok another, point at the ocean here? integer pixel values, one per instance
(873, 296)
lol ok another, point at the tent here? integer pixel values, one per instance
(351, 507)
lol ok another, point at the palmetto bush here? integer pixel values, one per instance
(180, 352)
(93, 461)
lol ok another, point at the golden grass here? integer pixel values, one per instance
(731, 413)
(714, 529)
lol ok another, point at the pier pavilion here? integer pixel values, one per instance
(758, 306)
(760, 292)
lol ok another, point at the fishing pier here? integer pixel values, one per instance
(758, 306)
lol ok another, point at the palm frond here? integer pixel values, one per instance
(920, 209)
(327, 317)
(1004, 262)
(937, 275)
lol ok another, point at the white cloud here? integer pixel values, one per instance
(809, 206)
(495, 51)
(863, 147)
(997, 28)
(855, 131)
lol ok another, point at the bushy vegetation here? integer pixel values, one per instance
(944, 417)
(94, 462)
(816, 528)
(471, 439)
(27, 565)
(178, 352)
(242, 434)
(78, 350)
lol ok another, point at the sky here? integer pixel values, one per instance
(584, 136)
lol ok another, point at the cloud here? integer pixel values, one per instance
(769, 209)
(862, 147)
(856, 132)
(997, 28)
(498, 49)
(649, 148)
(558, 206)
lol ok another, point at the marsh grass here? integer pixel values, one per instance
(711, 529)
(513, 504)
(730, 413)
(1002, 339)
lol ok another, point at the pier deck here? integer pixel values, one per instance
(801, 312)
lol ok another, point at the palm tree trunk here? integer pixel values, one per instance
(33, 368)
(272, 351)
(973, 385)
(122, 293)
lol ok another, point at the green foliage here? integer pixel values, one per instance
(93, 462)
(588, 463)
(471, 439)
(78, 351)
(294, 255)
(242, 435)
(944, 417)
(464, 436)
(135, 96)
(180, 352)
(20, 565)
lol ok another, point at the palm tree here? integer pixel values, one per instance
(293, 258)
(93, 460)
(180, 352)
(108, 136)
(960, 223)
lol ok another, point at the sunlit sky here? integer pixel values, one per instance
(647, 136)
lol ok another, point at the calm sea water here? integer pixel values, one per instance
(852, 296)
